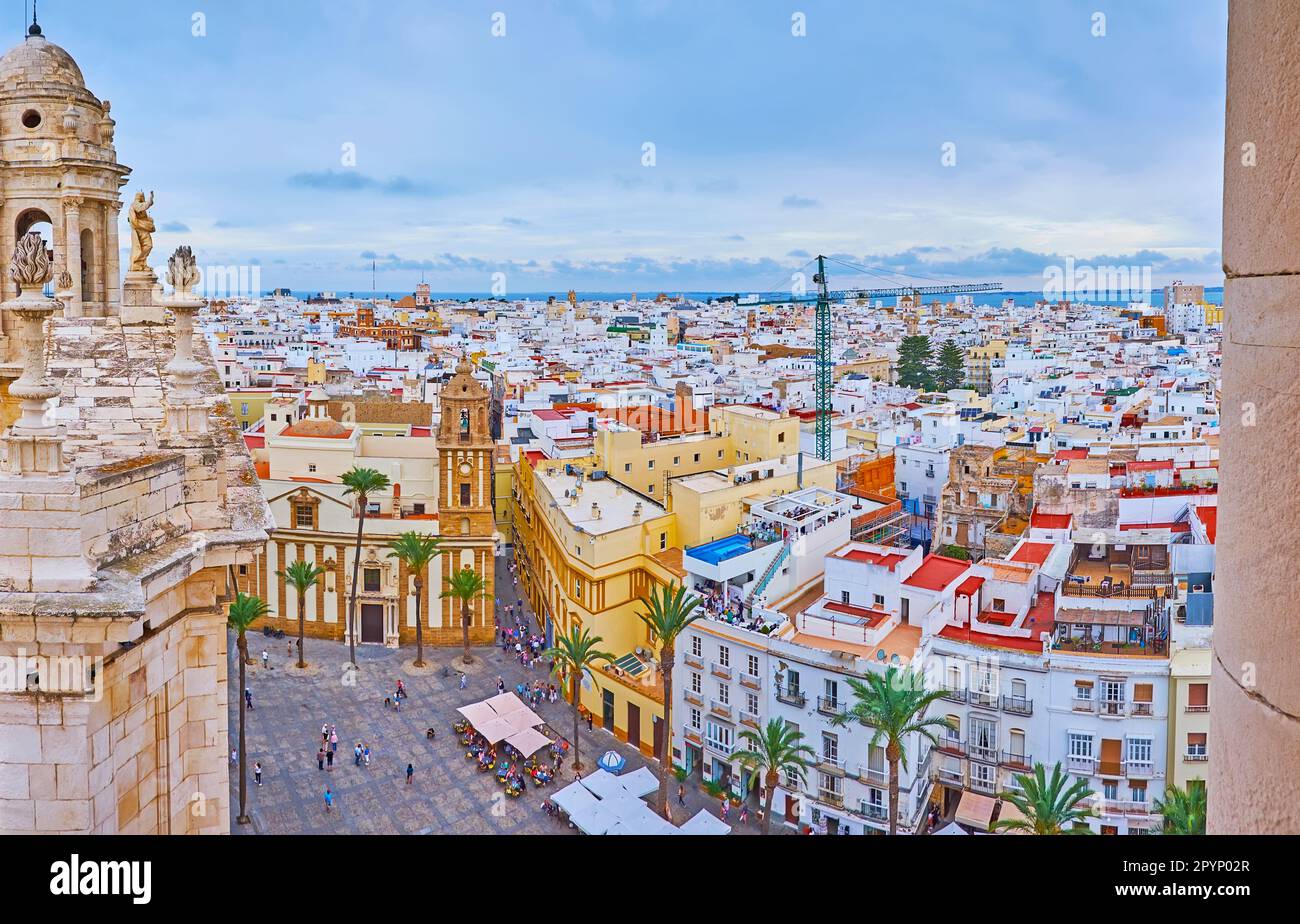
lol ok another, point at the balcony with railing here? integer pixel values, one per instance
(1139, 769)
(1083, 705)
(748, 718)
(695, 699)
(829, 705)
(1112, 709)
(830, 797)
(951, 744)
(980, 698)
(752, 681)
(985, 752)
(1017, 705)
(791, 696)
(877, 776)
(694, 661)
(875, 811)
(985, 784)
(956, 694)
(1141, 709)
(720, 747)
(719, 708)
(1076, 763)
(720, 670)
(1196, 754)
(1014, 760)
(830, 763)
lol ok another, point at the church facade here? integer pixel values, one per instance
(440, 483)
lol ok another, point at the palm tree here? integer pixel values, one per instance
(777, 749)
(363, 482)
(894, 704)
(1049, 806)
(670, 612)
(416, 550)
(465, 585)
(244, 611)
(303, 577)
(575, 654)
(1183, 809)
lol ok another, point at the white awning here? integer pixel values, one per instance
(705, 823)
(603, 783)
(574, 797)
(975, 810)
(477, 713)
(528, 742)
(640, 782)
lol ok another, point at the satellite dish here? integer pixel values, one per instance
(880, 654)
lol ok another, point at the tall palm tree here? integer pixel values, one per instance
(777, 749)
(894, 704)
(465, 585)
(363, 482)
(244, 611)
(1183, 810)
(576, 654)
(303, 576)
(669, 611)
(1049, 806)
(416, 550)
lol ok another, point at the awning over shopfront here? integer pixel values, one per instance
(1009, 812)
(975, 810)
(528, 741)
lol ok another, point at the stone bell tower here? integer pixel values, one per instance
(58, 166)
(466, 521)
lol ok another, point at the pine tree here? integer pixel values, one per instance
(950, 370)
(914, 358)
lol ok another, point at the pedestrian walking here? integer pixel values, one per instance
(257, 772)
(334, 739)
(365, 755)
(324, 733)
(356, 754)
(588, 720)
(329, 800)
(681, 794)
(501, 686)
(248, 698)
(329, 759)
(744, 814)
(410, 772)
(266, 659)
(464, 681)
(234, 755)
(726, 808)
(320, 759)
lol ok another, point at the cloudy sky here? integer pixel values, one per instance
(526, 154)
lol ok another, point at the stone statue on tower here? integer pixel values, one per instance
(142, 229)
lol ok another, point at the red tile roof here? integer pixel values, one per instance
(888, 560)
(1035, 553)
(937, 572)
(970, 585)
(1051, 520)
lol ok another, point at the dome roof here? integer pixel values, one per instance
(39, 61)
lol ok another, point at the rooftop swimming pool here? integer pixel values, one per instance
(719, 550)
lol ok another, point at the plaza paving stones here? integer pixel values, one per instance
(448, 794)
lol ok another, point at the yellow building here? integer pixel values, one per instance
(249, 404)
(738, 434)
(315, 372)
(979, 364)
(1189, 717)
(589, 549)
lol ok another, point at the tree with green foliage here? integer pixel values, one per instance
(245, 610)
(302, 577)
(1183, 810)
(1049, 806)
(669, 611)
(950, 368)
(416, 550)
(778, 748)
(894, 704)
(364, 483)
(465, 585)
(575, 655)
(914, 359)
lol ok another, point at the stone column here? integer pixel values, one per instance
(1255, 687)
(35, 442)
(72, 251)
(186, 414)
(111, 263)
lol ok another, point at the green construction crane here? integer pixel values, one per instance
(823, 331)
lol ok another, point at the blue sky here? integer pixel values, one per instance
(523, 154)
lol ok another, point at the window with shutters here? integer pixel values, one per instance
(1198, 697)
